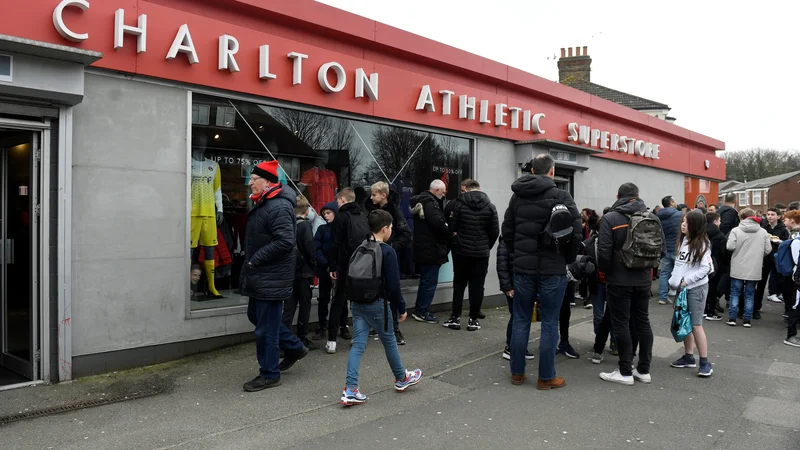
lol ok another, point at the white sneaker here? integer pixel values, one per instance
(330, 347)
(774, 298)
(643, 378)
(616, 377)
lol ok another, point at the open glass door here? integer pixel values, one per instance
(19, 315)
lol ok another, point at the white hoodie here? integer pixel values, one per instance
(694, 274)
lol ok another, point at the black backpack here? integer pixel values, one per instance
(357, 232)
(558, 229)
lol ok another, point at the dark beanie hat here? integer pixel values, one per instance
(267, 170)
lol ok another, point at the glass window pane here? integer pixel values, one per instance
(318, 155)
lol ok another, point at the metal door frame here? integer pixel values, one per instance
(40, 314)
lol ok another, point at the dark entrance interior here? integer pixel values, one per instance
(18, 314)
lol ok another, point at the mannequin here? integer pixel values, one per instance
(206, 207)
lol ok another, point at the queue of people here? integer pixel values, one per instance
(546, 251)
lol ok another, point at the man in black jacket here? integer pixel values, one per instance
(475, 228)
(268, 274)
(303, 276)
(382, 198)
(728, 215)
(769, 276)
(348, 229)
(431, 237)
(539, 270)
(628, 290)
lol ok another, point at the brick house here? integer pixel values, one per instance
(766, 192)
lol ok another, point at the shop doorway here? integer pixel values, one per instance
(565, 180)
(20, 153)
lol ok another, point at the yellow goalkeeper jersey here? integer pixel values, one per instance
(206, 188)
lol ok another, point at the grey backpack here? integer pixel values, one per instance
(364, 283)
(642, 248)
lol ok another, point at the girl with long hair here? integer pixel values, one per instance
(693, 264)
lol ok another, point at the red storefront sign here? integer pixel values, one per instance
(150, 39)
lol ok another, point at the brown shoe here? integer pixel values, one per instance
(555, 383)
(516, 380)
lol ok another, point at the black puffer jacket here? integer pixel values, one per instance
(526, 216)
(505, 267)
(269, 267)
(339, 255)
(401, 232)
(475, 224)
(729, 219)
(613, 234)
(431, 234)
(719, 252)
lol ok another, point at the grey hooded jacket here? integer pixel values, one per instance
(749, 244)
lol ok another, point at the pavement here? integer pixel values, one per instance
(464, 401)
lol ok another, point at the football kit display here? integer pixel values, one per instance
(206, 202)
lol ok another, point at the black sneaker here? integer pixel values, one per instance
(568, 351)
(290, 359)
(746, 324)
(757, 315)
(613, 349)
(714, 317)
(454, 323)
(481, 315)
(373, 334)
(398, 336)
(427, 318)
(731, 322)
(319, 335)
(260, 383)
(345, 333)
(310, 345)
(507, 354)
(473, 325)
(587, 304)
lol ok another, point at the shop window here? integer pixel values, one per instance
(757, 198)
(742, 198)
(705, 186)
(319, 154)
(200, 114)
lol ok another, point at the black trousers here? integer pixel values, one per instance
(566, 313)
(324, 299)
(713, 297)
(339, 304)
(301, 299)
(630, 304)
(792, 309)
(468, 271)
(761, 287)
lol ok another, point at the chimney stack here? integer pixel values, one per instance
(574, 68)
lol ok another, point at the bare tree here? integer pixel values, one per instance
(756, 163)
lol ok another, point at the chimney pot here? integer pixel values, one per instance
(563, 52)
(570, 52)
(577, 51)
(575, 65)
(585, 51)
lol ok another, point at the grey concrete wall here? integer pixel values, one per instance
(597, 187)
(496, 170)
(129, 220)
(43, 78)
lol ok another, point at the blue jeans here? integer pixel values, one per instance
(749, 298)
(667, 264)
(429, 279)
(364, 317)
(271, 335)
(551, 293)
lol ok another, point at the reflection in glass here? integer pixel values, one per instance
(319, 155)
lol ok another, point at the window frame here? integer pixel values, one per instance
(745, 202)
(760, 197)
(236, 96)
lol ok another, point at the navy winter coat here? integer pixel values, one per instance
(475, 224)
(401, 232)
(671, 224)
(270, 246)
(431, 235)
(505, 267)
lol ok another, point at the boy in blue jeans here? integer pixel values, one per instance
(379, 317)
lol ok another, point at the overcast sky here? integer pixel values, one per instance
(729, 72)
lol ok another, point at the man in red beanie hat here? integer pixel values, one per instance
(268, 274)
